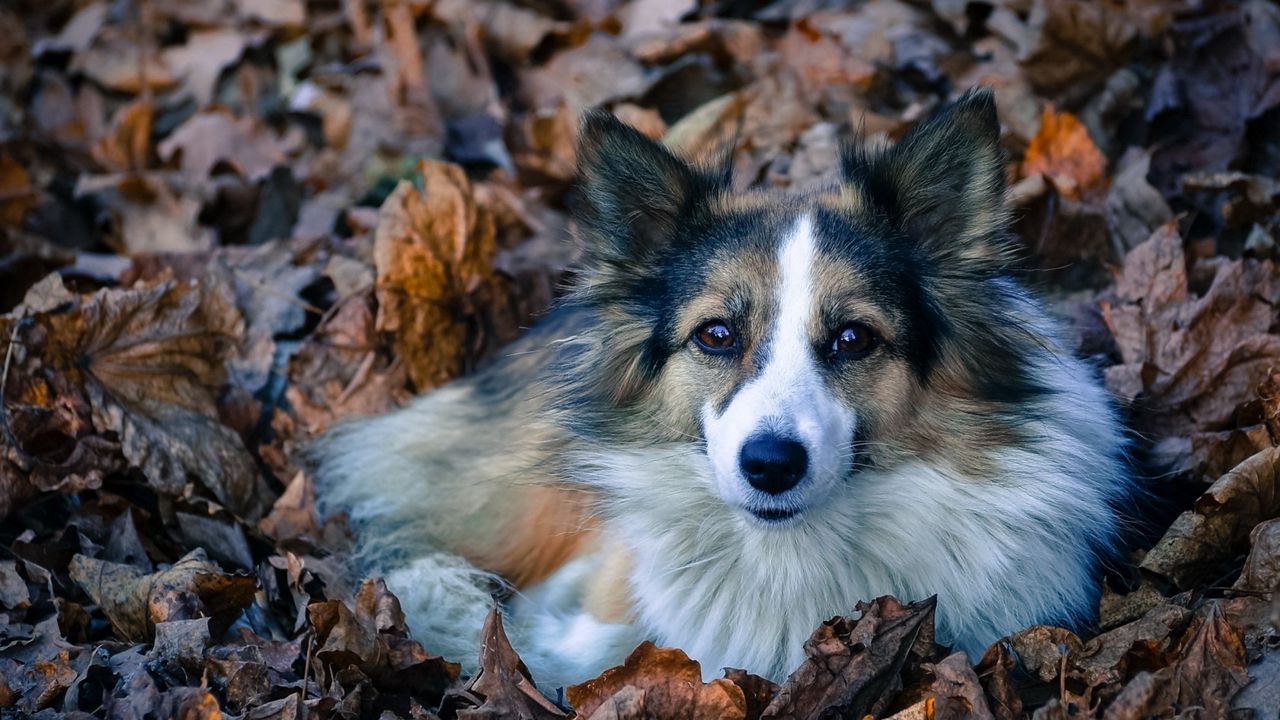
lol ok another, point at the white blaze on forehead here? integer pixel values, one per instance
(789, 396)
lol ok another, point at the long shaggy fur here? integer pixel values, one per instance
(572, 478)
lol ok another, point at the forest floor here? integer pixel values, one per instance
(225, 224)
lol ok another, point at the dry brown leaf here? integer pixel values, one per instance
(503, 687)
(1134, 209)
(17, 196)
(1040, 650)
(370, 635)
(996, 672)
(1209, 672)
(127, 144)
(574, 78)
(201, 59)
(545, 145)
(1191, 360)
(1075, 44)
(513, 31)
(343, 369)
(1063, 152)
(135, 601)
(210, 138)
(433, 249)
(657, 682)
(294, 512)
(1203, 540)
(144, 365)
(955, 690)
(274, 13)
(1262, 568)
(152, 213)
(853, 667)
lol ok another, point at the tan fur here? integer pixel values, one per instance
(551, 526)
(607, 596)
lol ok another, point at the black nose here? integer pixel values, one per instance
(772, 463)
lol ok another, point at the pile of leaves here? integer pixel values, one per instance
(225, 224)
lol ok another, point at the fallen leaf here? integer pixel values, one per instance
(853, 667)
(202, 58)
(1262, 568)
(113, 62)
(274, 13)
(208, 139)
(181, 643)
(14, 594)
(1209, 672)
(343, 369)
(573, 78)
(1249, 198)
(127, 144)
(1134, 209)
(1074, 45)
(955, 690)
(1192, 360)
(152, 215)
(996, 673)
(17, 196)
(1221, 70)
(1063, 152)
(371, 636)
(503, 687)
(1203, 539)
(144, 365)
(657, 682)
(135, 602)
(433, 248)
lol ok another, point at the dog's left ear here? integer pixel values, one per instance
(944, 183)
(630, 195)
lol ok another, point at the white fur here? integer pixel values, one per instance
(1001, 552)
(789, 396)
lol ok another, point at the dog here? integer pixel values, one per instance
(753, 410)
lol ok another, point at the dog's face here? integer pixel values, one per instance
(800, 339)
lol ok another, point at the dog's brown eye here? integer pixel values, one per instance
(853, 341)
(714, 336)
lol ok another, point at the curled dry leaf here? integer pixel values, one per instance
(433, 250)
(1190, 361)
(853, 667)
(1262, 567)
(657, 682)
(370, 635)
(1202, 541)
(1063, 152)
(996, 673)
(135, 602)
(1209, 672)
(955, 690)
(343, 369)
(503, 687)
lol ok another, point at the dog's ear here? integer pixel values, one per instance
(631, 193)
(944, 183)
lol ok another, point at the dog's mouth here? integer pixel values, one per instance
(772, 515)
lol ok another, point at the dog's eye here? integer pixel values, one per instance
(714, 336)
(853, 341)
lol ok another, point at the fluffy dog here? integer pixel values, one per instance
(753, 410)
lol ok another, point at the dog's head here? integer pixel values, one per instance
(800, 338)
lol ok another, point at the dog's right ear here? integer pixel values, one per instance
(631, 194)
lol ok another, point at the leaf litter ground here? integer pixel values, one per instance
(225, 225)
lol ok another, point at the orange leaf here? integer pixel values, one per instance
(1063, 152)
